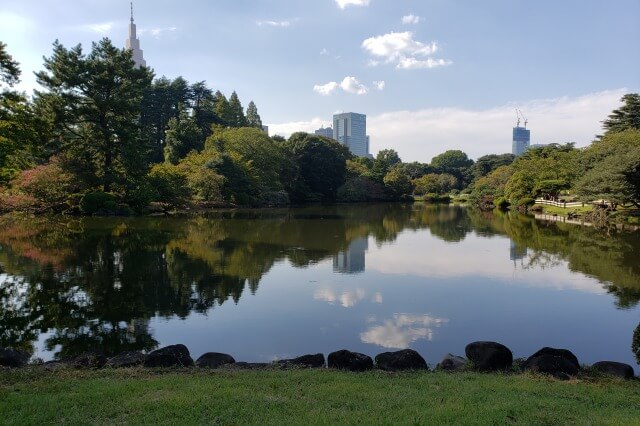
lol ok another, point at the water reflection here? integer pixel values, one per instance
(98, 284)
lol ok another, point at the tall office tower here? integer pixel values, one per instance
(327, 133)
(521, 136)
(133, 43)
(352, 260)
(350, 129)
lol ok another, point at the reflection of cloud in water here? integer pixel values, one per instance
(402, 330)
(347, 298)
(421, 255)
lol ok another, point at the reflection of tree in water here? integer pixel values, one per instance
(95, 283)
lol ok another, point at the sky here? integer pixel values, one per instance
(430, 75)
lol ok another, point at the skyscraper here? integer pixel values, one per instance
(350, 129)
(133, 43)
(521, 135)
(327, 133)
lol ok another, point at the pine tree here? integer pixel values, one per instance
(96, 100)
(238, 118)
(183, 136)
(625, 117)
(222, 109)
(253, 118)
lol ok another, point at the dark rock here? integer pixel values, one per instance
(452, 363)
(214, 360)
(56, 366)
(613, 368)
(489, 356)
(13, 357)
(406, 359)
(351, 361)
(126, 359)
(88, 360)
(556, 366)
(562, 353)
(304, 361)
(170, 356)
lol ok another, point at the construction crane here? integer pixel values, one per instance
(519, 114)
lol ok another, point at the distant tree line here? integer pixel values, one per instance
(104, 136)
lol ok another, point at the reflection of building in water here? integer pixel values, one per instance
(351, 261)
(137, 327)
(517, 252)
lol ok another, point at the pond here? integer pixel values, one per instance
(272, 284)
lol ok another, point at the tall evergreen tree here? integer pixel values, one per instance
(625, 117)
(96, 100)
(222, 109)
(183, 136)
(253, 118)
(238, 118)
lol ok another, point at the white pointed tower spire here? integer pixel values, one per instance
(133, 43)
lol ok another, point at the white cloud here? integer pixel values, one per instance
(420, 135)
(324, 51)
(402, 330)
(287, 129)
(157, 32)
(380, 85)
(326, 89)
(403, 51)
(281, 24)
(347, 298)
(348, 84)
(413, 63)
(344, 3)
(352, 85)
(102, 28)
(410, 19)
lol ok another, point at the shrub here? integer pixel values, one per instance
(98, 202)
(273, 198)
(13, 202)
(170, 184)
(360, 189)
(526, 202)
(47, 183)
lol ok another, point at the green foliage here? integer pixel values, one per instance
(236, 112)
(397, 182)
(453, 162)
(96, 102)
(550, 188)
(182, 136)
(9, 68)
(384, 161)
(359, 189)
(170, 183)
(635, 343)
(253, 118)
(626, 117)
(435, 183)
(501, 203)
(98, 202)
(321, 165)
(488, 163)
(48, 183)
(525, 202)
(436, 199)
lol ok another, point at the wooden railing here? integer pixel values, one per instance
(560, 203)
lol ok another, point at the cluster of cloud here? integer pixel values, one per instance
(410, 19)
(402, 330)
(100, 28)
(346, 298)
(349, 85)
(344, 3)
(420, 135)
(157, 32)
(401, 49)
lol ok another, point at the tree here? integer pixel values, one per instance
(453, 162)
(383, 162)
(397, 182)
(183, 136)
(237, 117)
(96, 100)
(253, 118)
(488, 163)
(320, 167)
(625, 117)
(222, 109)
(9, 68)
(434, 183)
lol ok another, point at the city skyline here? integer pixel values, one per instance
(430, 76)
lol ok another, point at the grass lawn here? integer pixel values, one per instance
(36, 396)
(561, 211)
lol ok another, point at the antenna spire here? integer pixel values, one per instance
(131, 11)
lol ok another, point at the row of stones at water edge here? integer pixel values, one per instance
(481, 356)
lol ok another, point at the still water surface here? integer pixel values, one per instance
(270, 284)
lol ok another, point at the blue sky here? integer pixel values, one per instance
(431, 75)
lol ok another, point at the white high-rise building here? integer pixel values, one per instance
(350, 129)
(133, 43)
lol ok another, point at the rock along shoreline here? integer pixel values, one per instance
(482, 356)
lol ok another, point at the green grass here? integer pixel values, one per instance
(561, 211)
(34, 396)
